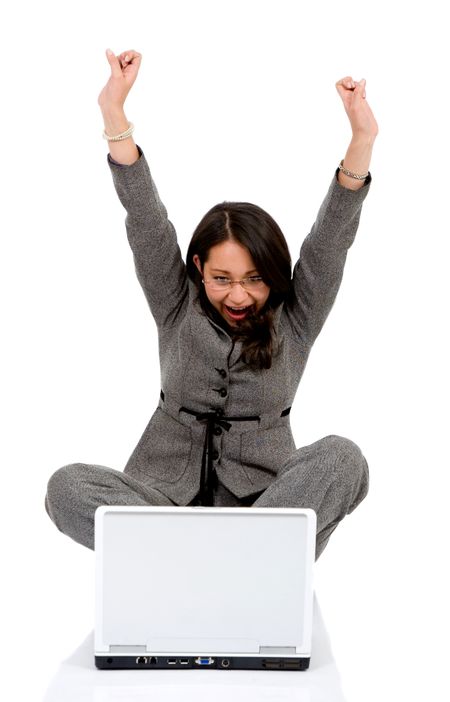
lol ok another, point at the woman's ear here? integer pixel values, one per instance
(196, 259)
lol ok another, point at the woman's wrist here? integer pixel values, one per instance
(357, 160)
(115, 120)
(124, 151)
(363, 139)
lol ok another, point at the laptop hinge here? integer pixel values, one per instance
(127, 649)
(277, 650)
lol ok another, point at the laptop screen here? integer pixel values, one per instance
(195, 579)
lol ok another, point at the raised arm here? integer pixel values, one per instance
(159, 266)
(318, 272)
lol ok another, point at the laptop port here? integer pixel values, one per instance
(225, 663)
(204, 661)
(282, 664)
(153, 660)
(141, 660)
(184, 661)
(172, 661)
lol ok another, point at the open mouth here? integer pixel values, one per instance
(238, 312)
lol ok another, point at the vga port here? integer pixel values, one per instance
(204, 661)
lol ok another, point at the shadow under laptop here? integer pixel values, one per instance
(78, 679)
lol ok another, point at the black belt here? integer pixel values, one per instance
(208, 479)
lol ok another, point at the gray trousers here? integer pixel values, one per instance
(330, 476)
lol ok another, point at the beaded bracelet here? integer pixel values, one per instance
(119, 137)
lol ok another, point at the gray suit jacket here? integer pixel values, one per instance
(180, 452)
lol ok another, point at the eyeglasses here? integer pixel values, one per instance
(221, 283)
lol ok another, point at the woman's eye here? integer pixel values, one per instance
(220, 277)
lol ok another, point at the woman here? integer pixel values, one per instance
(235, 332)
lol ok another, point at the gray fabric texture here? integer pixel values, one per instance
(200, 368)
(330, 476)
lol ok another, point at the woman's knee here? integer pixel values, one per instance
(63, 482)
(351, 465)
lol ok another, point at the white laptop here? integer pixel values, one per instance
(204, 587)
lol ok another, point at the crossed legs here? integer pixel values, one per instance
(330, 476)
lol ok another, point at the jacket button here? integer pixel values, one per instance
(219, 411)
(217, 431)
(223, 392)
(215, 455)
(223, 373)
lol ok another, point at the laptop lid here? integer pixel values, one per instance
(218, 583)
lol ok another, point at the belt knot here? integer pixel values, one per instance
(208, 478)
(211, 418)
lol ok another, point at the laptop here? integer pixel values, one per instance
(204, 587)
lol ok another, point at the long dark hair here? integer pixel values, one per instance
(254, 228)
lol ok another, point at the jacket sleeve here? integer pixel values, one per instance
(318, 272)
(159, 266)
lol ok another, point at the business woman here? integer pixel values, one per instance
(235, 329)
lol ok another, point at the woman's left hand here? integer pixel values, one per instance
(353, 96)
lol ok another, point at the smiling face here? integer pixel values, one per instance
(230, 259)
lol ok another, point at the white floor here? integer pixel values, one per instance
(77, 679)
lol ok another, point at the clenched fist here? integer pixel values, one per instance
(124, 70)
(353, 96)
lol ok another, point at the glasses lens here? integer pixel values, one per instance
(220, 284)
(253, 283)
(225, 283)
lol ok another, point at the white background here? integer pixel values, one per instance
(234, 100)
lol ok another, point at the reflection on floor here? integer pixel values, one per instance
(77, 679)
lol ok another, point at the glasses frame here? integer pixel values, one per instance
(229, 285)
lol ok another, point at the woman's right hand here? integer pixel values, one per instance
(124, 70)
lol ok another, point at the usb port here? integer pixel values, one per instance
(172, 661)
(184, 661)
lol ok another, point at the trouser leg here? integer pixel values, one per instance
(331, 476)
(76, 490)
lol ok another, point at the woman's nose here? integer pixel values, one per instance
(237, 295)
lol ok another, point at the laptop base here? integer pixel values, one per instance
(206, 662)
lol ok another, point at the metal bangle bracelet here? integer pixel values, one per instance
(350, 173)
